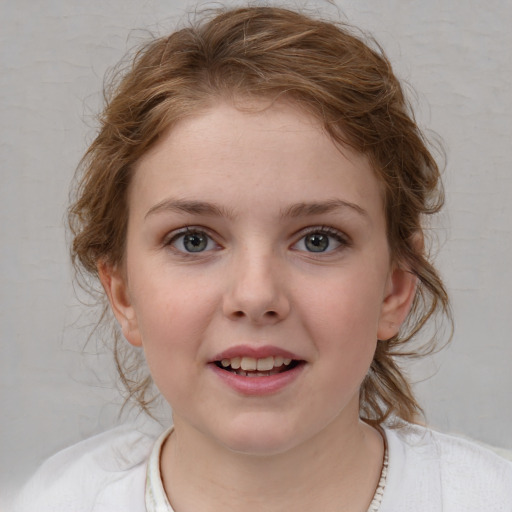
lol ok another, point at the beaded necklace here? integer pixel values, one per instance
(379, 493)
(156, 499)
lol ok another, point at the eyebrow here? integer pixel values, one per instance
(295, 210)
(314, 208)
(190, 207)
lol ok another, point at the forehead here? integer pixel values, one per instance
(276, 154)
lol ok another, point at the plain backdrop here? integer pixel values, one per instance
(455, 55)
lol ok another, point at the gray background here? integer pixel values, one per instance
(456, 56)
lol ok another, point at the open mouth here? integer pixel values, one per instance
(252, 367)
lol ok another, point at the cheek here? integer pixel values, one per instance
(341, 318)
(347, 306)
(169, 303)
(172, 316)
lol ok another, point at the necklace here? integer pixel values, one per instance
(156, 499)
(379, 493)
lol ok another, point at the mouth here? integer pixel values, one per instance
(257, 367)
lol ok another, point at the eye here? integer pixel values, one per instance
(321, 240)
(192, 241)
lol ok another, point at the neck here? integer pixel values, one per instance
(337, 470)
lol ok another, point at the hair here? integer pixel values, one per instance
(323, 68)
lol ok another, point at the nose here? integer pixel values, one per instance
(256, 290)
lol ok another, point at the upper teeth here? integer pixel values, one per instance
(251, 363)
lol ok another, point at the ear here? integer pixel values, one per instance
(115, 285)
(399, 295)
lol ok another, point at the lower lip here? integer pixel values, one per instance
(258, 386)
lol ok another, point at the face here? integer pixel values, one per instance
(257, 277)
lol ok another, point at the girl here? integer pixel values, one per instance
(253, 207)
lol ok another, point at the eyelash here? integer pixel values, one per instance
(341, 239)
(171, 240)
(330, 232)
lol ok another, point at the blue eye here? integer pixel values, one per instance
(192, 241)
(320, 240)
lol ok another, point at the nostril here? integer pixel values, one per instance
(239, 314)
(271, 314)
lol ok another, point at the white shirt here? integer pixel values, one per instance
(118, 471)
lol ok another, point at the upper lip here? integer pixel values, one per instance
(259, 352)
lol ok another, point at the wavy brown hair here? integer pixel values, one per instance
(342, 79)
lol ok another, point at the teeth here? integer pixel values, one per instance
(266, 364)
(257, 367)
(248, 363)
(253, 374)
(278, 361)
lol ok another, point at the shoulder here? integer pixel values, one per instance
(447, 472)
(458, 458)
(103, 473)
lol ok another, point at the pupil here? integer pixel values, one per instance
(317, 242)
(195, 242)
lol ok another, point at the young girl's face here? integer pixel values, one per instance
(254, 240)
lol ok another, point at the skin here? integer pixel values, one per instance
(258, 283)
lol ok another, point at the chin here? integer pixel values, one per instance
(260, 438)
